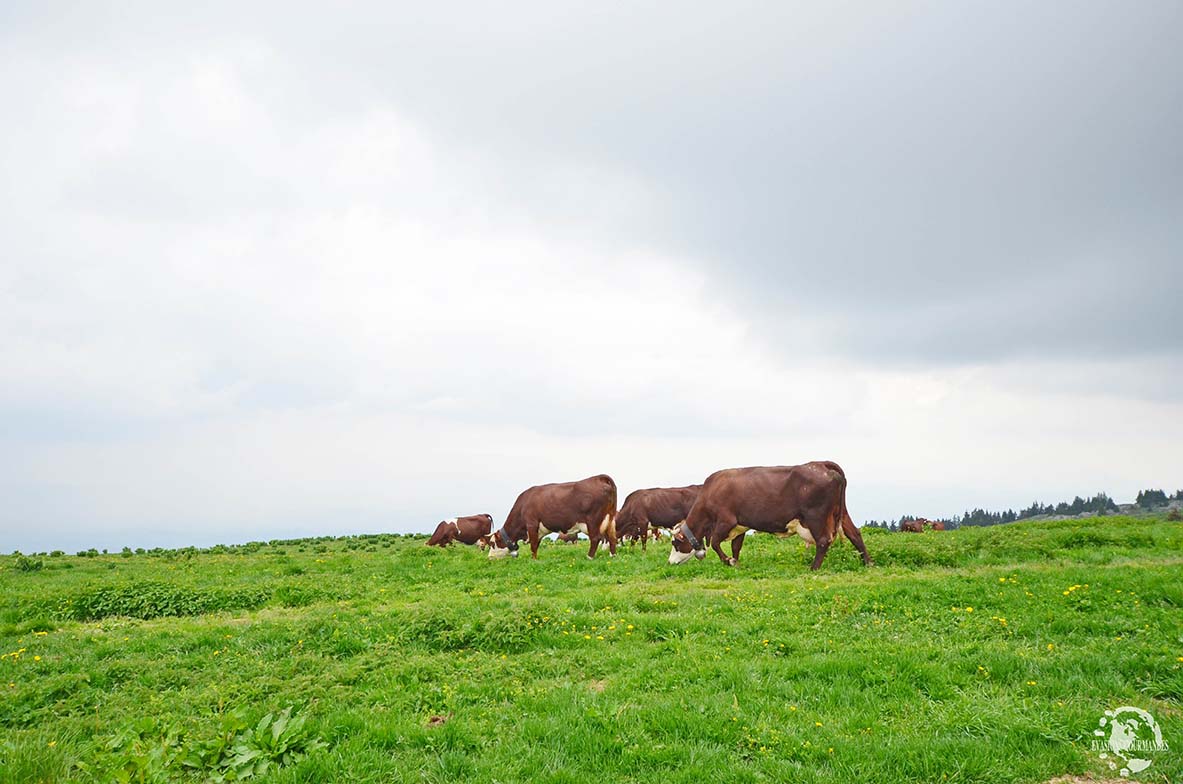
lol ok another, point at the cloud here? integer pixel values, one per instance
(270, 272)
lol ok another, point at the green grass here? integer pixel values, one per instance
(564, 670)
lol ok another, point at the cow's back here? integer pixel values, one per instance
(765, 495)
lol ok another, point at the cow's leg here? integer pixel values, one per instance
(644, 535)
(593, 535)
(855, 536)
(610, 521)
(718, 531)
(736, 544)
(535, 537)
(822, 547)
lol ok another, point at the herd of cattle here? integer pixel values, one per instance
(807, 500)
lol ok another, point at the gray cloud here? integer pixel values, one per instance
(301, 256)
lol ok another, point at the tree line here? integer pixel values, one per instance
(1099, 504)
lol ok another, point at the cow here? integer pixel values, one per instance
(473, 529)
(570, 538)
(806, 500)
(912, 526)
(936, 526)
(655, 508)
(587, 506)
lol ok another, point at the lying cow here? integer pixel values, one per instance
(587, 506)
(807, 500)
(473, 529)
(655, 508)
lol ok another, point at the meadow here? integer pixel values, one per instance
(976, 655)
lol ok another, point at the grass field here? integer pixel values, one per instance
(984, 655)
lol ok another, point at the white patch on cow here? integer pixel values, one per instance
(579, 528)
(794, 527)
(608, 526)
(451, 520)
(677, 558)
(738, 530)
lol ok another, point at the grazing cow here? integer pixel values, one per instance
(936, 526)
(473, 529)
(571, 538)
(807, 500)
(587, 506)
(657, 507)
(912, 526)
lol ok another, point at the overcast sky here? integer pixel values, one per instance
(270, 270)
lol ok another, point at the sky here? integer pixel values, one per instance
(272, 270)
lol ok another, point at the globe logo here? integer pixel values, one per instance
(1127, 737)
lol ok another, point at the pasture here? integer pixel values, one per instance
(977, 655)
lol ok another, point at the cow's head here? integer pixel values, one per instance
(440, 536)
(685, 545)
(500, 545)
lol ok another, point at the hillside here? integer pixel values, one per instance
(976, 655)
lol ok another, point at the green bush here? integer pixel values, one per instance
(153, 600)
(26, 564)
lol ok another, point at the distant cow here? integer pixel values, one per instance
(936, 525)
(571, 538)
(912, 526)
(657, 507)
(473, 529)
(807, 500)
(587, 506)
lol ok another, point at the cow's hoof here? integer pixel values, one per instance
(732, 562)
(591, 558)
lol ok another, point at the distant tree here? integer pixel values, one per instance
(1148, 499)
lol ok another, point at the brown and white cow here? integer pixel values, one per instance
(806, 500)
(473, 529)
(654, 508)
(587, 506)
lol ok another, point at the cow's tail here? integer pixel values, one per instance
(608, 526)
(839, 512)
